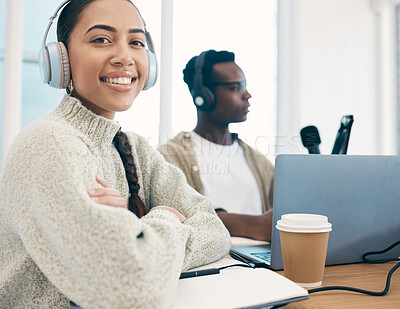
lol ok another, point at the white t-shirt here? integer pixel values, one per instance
(227, 179)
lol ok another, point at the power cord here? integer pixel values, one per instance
(364, 257)
(235, 265)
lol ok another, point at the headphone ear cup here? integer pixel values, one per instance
(60, 72)
(211, 104)
(44, 65)
(203, 98)
(65, 71)
(152, 70)
(209, 99)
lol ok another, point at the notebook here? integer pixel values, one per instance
(359, 194)
(237, 287)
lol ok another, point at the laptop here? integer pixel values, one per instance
(360, 195)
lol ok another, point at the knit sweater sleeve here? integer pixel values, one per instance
(96, 255)
(209, 240)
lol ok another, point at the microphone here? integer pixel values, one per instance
(310, 139)
(343, 135)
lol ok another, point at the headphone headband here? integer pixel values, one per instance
(52, 18)
(54, 62)
(203, 97)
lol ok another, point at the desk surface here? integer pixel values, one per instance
(364, 276)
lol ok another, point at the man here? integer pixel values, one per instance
(235, 177)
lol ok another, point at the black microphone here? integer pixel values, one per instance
(343, 135)
(310, 139)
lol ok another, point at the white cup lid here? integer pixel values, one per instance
(304, 223)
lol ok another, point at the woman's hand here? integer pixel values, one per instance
(107, 195)
(181, 217)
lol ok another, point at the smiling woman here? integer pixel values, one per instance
(88, 211)
(101, 52)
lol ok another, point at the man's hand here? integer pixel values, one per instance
(256, 227)
(262, 229)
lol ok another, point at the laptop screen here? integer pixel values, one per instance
(360, 195)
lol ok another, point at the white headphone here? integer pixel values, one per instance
(54, 62)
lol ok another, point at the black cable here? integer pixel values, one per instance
(372, 293)
(239, 265)
(364, 257)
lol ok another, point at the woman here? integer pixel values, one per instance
(65, 232)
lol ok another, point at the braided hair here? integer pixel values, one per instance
(67, 21)
(135, 204)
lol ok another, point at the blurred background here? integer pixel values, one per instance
(307, 62)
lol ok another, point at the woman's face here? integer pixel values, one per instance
(108, 57)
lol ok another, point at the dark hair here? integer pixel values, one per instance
(121, 143)
(69, 17)
(211, 58)
(67, 21)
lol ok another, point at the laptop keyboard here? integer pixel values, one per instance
(265, 256)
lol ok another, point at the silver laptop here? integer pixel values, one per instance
(359, 194)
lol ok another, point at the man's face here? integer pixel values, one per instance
(231, 95)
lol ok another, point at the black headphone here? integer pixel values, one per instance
(203, 97)
(54, 61)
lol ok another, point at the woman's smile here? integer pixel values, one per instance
(121, 81)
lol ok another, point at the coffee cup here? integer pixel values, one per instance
(304, 242)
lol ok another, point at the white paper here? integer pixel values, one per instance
(235, 287)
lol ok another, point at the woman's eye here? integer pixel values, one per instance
(137, 43)
(101, 41)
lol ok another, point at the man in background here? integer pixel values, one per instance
(217, 163)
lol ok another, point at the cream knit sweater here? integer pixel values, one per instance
(57, 245)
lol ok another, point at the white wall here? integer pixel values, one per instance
(340, 52)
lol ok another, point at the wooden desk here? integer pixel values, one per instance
(364, 276)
